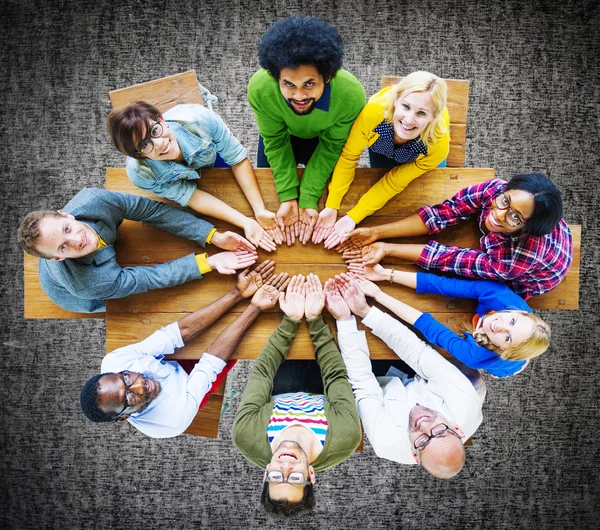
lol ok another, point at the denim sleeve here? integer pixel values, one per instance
(179, 191)
(227, 144)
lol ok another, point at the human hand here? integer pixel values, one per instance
(334, 302)
(315, 298)
(249, 281)
(228, 262)
(268, 220)
(307, 220)
(324, 226)
(369, 288)
(231, 241)
(358, 238)
(287, 219)
(369, 255)
(352, 294)
(258, 235)
(268, 294)
(340, 231)
(374, 273)
(292, 301)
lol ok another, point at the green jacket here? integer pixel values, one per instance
(276, 122)
(252, 418)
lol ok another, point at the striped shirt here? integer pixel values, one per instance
(529, 265)
(298, 408)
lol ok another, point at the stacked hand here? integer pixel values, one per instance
(367, 255)
(231, 241)
(229, 262)
(334, 301)
(258, 236)
(268, 294)
(249, 281)
(375, 273)
(358, 238)
(287, 219)
(268, 220)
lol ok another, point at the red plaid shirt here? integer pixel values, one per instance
(529, 265)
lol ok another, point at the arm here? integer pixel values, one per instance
(262, 93)
(395, 180)
(331, 142)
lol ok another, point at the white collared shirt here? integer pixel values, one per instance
(172, 411)
(384, 403)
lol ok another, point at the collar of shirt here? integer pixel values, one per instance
(401, 153)
(322, 103)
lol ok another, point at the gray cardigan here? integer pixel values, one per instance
(83, 284)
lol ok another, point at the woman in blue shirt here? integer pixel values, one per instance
(165, 154)
(505, 333)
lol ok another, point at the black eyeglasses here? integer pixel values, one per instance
(156, 131)
(128, 380)
(503, 203)
(436, 431)
(295, 477)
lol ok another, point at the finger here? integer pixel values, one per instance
(276, 235)
(297, 227)
(332, 240)
(244, 243)
(285, 282)
(290, 235)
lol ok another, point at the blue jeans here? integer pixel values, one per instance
(303, 149)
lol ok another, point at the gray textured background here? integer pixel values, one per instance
(534, 105)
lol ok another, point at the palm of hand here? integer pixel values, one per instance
(293, 305)
(249, 283)
(266, 297)
(315, 301)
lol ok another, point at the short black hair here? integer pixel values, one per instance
(548, 209)
(89, 402)
(295, 41)
(285, 507)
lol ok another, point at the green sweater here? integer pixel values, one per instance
(252, 418)
(276, 122)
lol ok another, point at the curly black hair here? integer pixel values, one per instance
(89, 402)
(299, 40)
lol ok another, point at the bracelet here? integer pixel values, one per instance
(391, 279)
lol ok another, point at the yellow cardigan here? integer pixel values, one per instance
(395, 180)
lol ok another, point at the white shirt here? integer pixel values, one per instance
(172, 411)
(384, 403)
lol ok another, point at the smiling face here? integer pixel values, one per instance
(287, 458)
(302, 87)
(165, 147)
(441, 451)
(506, 328)
(510, 204)
(412, 113)
(129, 392)
(65, 237)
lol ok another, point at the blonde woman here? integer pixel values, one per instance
(406, 128)
(504, 334)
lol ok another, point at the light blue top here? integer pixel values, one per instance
(83, 284)
(491, 296)
(201, 134)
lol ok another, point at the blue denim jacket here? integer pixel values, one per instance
(201, 134)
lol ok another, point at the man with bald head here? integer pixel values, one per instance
(423, 419)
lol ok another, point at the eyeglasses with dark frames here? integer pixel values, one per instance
(512, 218)
(128, 380)
(437, 431)
(156, 131)
(296, 478)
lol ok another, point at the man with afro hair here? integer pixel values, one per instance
(305, 105)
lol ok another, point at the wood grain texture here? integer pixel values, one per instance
(163, 93)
